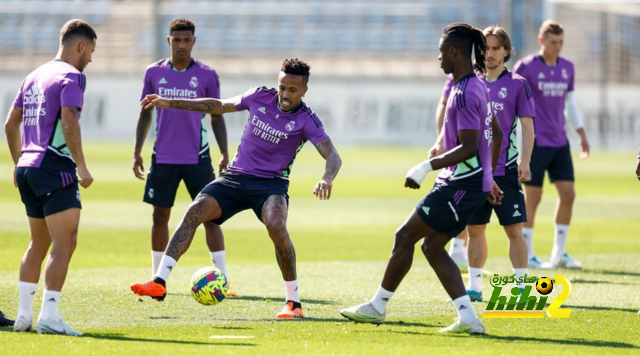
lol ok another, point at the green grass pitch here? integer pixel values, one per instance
(342, 247)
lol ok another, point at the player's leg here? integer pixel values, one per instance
(30, 272)
(478, 252)
(458, 250)
(159, 234)
(4, 321)
(540, 158)
(63, 230)
(517, 251)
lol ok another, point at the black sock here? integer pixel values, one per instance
(295, 304)
(160, 281)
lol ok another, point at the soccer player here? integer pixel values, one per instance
(48, 106)
(4, 321)
(458, 245)
(551, 78)
(181, 151)
(257, 178)
(511, 97)
(462, 187)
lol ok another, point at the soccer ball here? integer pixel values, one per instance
(209, 286)
(544, 285)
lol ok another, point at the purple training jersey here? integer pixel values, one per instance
(181, 135)
(469, 108)
(511, 97)
(42, 96)
(550, 84)
(448, 84)
(272, 138)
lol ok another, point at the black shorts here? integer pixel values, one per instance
(237, 192)
(512, 210)
(448, 209)
(556, 160)
(163, 181)
(46, 192)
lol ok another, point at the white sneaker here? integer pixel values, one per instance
(536, 263)
(564, 261)
(476, 327)
(23, 324)
(55, 326)
(364, 313)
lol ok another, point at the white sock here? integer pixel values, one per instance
(292, 290)
(380, 299)
(219, 259)
(167, 264)
(156, 256)
(465, 310)
(560, 240)
(527, 232)
(520, 272)
(475, 279)
(50, 301)
(457, 246)
(26, 293)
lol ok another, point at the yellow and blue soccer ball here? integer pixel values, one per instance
(544, 285)
(209, 286)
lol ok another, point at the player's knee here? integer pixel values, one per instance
(403, 238)
(430, 250)
(277, 228)
(568, 195)
(161, 216)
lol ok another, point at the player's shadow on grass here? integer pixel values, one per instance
(613, 273)
(590, 307)
(572, 342)
(122, 337)
(598, 281)
(305, 301)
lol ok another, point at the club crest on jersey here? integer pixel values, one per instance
(503, 93)
(565, 75)
(193, 82)
(290, 126)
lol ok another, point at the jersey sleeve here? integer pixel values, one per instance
(213, 86)
(72, 91)
(470, 116)
(243, 101)
(18, 101)
(314, 130)
(572, 76)
(525, 104)
(519, 68)
(147, 87)
(448, 84)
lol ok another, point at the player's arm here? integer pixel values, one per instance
(203, 105)
(436, 149)
(576, 120)
(467, 148)
(638, 165)
(497, 142)
(326, 149)
(73, 139)
(12, 131)
(220, 132)
(142, 130)
(528, 137)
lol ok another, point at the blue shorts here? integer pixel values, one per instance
(556, 160)
(512, 210)
(163, 181)
(448, 209)
(46, 192)
(238, 192)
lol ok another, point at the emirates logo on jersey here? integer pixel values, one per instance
(290, 126)
(193, 82)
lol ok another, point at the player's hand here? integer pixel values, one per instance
(411, 184)
(154, 100)
(586, 150)
(85, 177)
(524, 172)
(224, 162)
(15, 181)
(323, 189)
(138, 168)
(496, 195)
(637, 169)
(435, 150)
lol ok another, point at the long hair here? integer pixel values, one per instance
(464, 36)
(503, 39)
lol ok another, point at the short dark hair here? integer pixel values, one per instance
(463, 36)
(550, 27)
(503, 39)
(296, 67)
(76, 28)
(181, 24)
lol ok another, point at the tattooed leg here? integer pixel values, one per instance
(203, 208)
(274, 216)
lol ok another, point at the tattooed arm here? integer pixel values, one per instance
(326, 149)
(203, 105)
(142, 129)
(73, 139)
(220, 132)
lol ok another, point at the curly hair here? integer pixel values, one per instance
(182, 24)
(296, 67)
